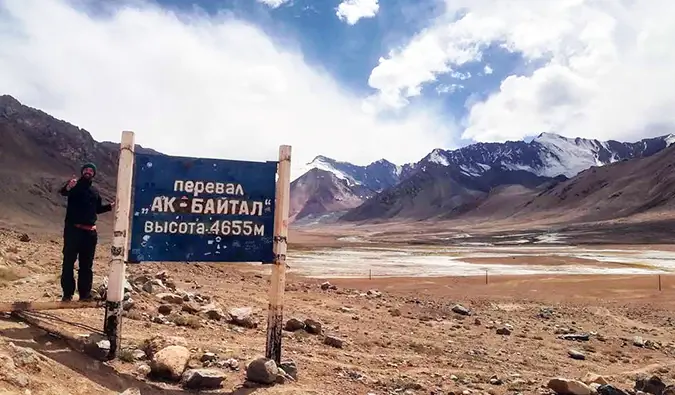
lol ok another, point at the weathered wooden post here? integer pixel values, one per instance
(278, 282)
(115, 294)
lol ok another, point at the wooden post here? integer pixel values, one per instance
(112, 326)
(486, 276)
(659, 282)
(275, 317)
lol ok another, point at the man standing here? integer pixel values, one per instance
(79, 233)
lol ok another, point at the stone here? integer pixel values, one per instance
(203, 378)
(170, 362)
(290, 368)
(214, 314)
(504, 330)
(574, 354)
(669, 390)
(334, 341)
(243, 316)
(208, 357)
(165, 309)
(590, 378)
(607, 389)
(262, 371)
(131, 391)
(190, 307)
(638, 341)
(24, 238)
(170, 298)
(293, 325)
(575, 336)
(97, 346)
(313, 326)
(651, 385)
(572, 387)
(459, 309)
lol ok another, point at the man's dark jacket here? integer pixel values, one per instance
(84, 203)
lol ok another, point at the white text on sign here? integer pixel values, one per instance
(197, 187)
(172, 204)
(221, 228)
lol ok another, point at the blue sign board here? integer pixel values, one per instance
(202, 210)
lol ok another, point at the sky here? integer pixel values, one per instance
(355, 80)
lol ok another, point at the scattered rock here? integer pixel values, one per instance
(170, 298)
(208, 357)
(294, 324)
(504, 330)
(591, 378)
(572, 387)
(607, 389)
(651, 385)
(313, 326)
(203, 378)
(214, 314)
(262, 371)
(334, 341)
(574, 354)
(395, 312)
(170, 362)
(243, 317)
(326, 286)
(97, 346)
(638, 341)
(546, 313)
(131, 391)
(24, 238)
(165, 309)
(290, 368)
(459, 309)
(576, 336)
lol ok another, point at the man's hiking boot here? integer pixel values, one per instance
(86, 298)
(67, 299)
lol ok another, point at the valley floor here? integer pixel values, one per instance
(401, 335)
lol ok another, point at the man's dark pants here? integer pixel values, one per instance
(78, 243)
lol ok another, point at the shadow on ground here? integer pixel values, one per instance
(60, 351)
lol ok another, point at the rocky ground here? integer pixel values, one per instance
(202, 326)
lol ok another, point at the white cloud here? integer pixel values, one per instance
(352, 11)
(273, 3)
(192, 85)
(606, 66)
(487, 69)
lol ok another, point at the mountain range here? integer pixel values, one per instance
(450, 183)
(550, 176)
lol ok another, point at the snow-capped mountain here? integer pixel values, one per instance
(446, 183)
(375, 176)
(325, 185)
(548, 155)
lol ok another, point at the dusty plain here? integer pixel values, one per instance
(399, 335)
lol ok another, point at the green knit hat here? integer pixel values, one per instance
(90, 166)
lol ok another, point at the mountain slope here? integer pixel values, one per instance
(548, 155)
(37, 154)
(438, 190)
(613, 191)
(450, 183)
(327, 186)
(319, 191)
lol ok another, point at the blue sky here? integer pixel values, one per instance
(237, 78)
(350, 52)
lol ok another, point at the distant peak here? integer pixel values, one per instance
(6, 100)
(322, 158)
(382, 162)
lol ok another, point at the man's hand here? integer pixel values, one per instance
(71, 183)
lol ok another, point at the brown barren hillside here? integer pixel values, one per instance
(613, 191)
(37, 154)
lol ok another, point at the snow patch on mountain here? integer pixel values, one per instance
(567, 156)
(325, 164)
(436, 156)
(670, 140)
